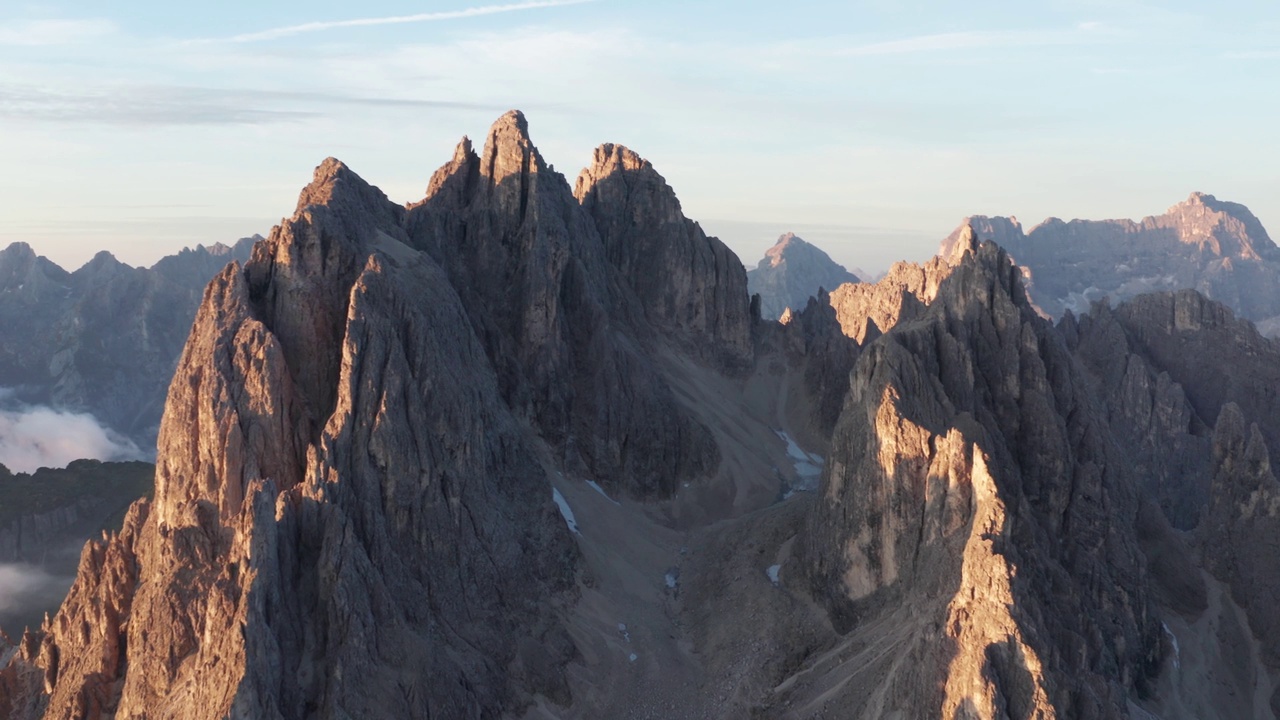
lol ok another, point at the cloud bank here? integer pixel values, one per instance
(35, 437)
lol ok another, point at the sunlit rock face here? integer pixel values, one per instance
(972, 482)
(791, 272)
(352, 515)
(1216, 247)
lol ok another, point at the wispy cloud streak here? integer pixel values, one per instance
(290, 30)
(969, 40)
(174, 105)
(38, 33)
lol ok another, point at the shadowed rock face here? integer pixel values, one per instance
(1218, 248)
(791, 272)
(1191, 391)
(1241, 530)
(971, 480)
(352, 514)
(105, 338)
(1167, 364)
(566, 329)
(691, 286)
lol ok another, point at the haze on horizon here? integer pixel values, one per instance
(869, 128)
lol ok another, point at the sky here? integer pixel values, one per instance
(869, 128)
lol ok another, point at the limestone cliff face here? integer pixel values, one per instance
(867, 309)
(1216, 357)
(1241, 531)
(1167, 364)
(691, 286)
(352, 513)
(791, 272)
(818, 341)
(972, 485)
(341, 497)
(1216, 247)
(560, 322)
(1166, 439)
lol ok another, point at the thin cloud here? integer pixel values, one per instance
(1272, 54)
(36, 33)
(156, 105)
(969, 40)
(290, 30)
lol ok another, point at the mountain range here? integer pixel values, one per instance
(105, 338)
(527, 449)
(1216, 247)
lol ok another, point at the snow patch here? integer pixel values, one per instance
(1177, 654)
(597, 488)
(565, 511)
(808, 466)
(672, 578)
(772, 572)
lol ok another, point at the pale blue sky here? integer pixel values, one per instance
(871, 128)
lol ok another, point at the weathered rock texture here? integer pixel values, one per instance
(352, 514)
(1241, 531)
(1218, 248)
(1191, 394)
(791, 272)
(1167, 364)
(691, 286)
(562, 323)
(972, 480)
(105, 338)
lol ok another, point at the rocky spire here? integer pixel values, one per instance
(558, 319)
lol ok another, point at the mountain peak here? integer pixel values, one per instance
(609, 155)
(514, 119)
(103, 259)
(508, 150)
(791, 272)
(331, 179)
(788, 244)
(608, 159)
(966, 242)
(17, 250)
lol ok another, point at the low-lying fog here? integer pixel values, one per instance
(26, 592)
(33, 436)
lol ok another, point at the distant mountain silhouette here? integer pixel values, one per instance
(105, 338)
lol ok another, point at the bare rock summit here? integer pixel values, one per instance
(791, 272)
